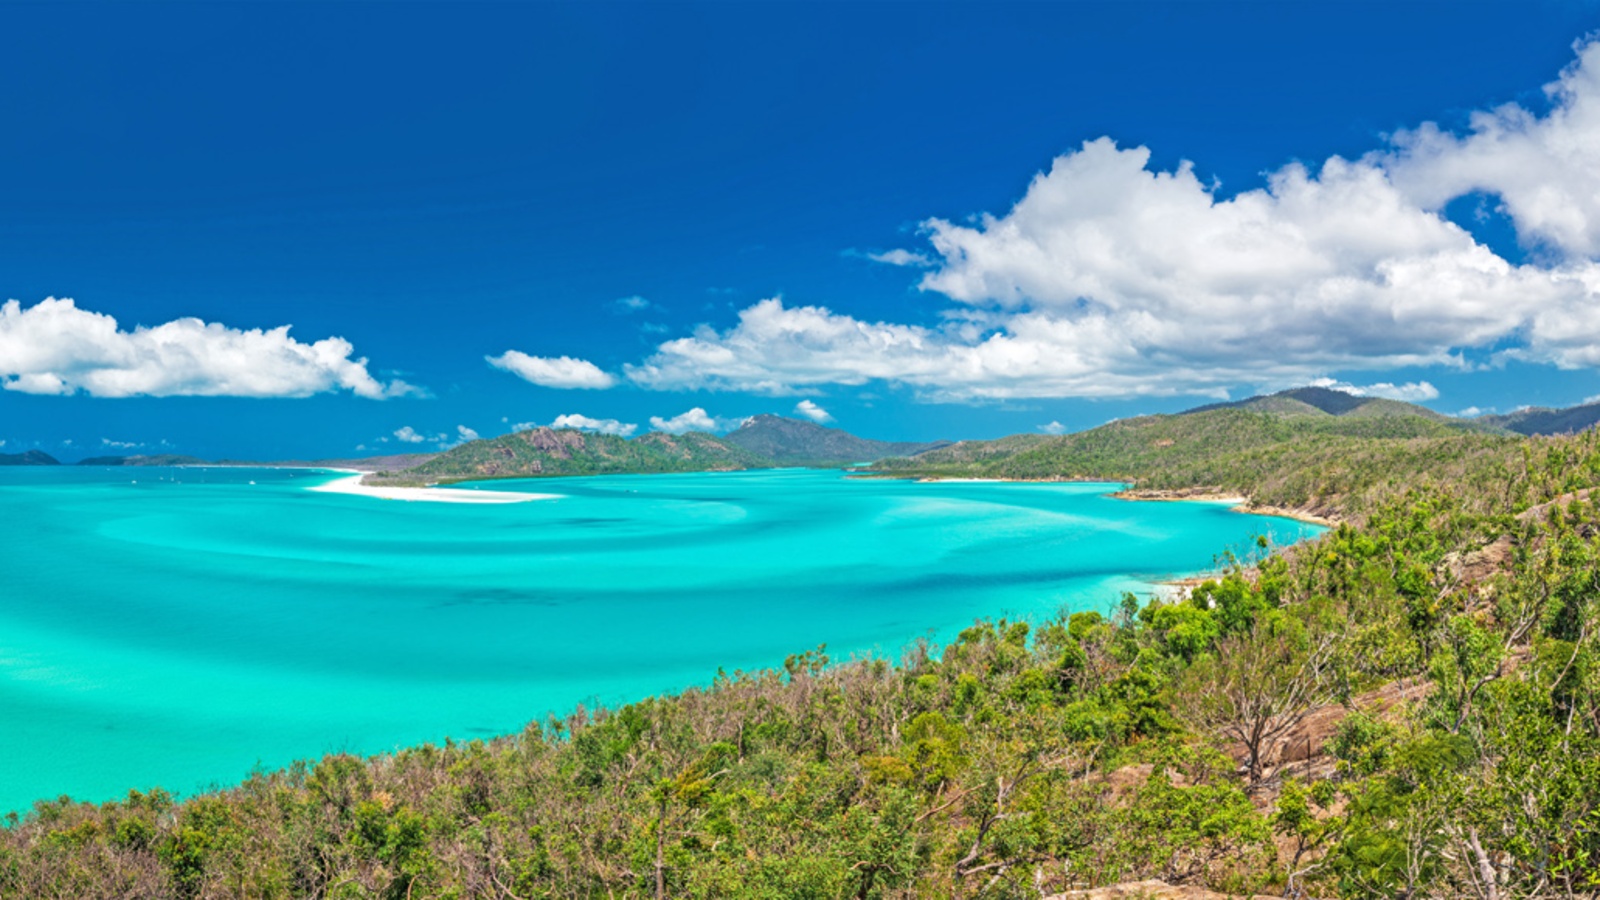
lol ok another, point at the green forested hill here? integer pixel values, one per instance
(1321, 401)
(1294, 460)
(547, 451)
(762, 442)
(1542, 420)
(796, 442)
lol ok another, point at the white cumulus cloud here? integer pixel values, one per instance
(603, 426)
(1410, 392)
(1111, 278)
(696, 419)
(812, 411)
(54, 347)
(466, 434)
(1545, 170)
(1053, 427)
(553, 371)
(410, 435)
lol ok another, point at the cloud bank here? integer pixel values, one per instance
(54, 347)
(1109, 278)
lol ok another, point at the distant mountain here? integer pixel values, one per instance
(549, 451)
(155, 459)
(1222, 438)
(1321, 401)
(797, 442)
(29, 458)
(1542, 420)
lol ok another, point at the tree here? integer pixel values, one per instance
(1257, 685)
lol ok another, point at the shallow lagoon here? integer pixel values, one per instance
(180, 626)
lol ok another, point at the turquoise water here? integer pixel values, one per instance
(180, 626)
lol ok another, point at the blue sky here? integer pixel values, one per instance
(683, 201)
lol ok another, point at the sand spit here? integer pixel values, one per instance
(353, 485)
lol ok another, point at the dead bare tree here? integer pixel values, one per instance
(1258, 685)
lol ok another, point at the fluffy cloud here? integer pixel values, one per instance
(1410, 392)
(603, 426)
(553, 371)
(1053, 428)
(812, 411)
(778, 349)
(466, 434)
(410, 435)
(1545, 170)
(694, 420)
(53, 347)
(120, 445)
(1110, 278)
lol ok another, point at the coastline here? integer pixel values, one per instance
(1239, 502)
(351, 484)
(1299, 515)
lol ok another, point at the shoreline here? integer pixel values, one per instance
(1240, 503)
(1310, 518)
(351, 484)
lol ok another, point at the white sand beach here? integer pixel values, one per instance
(353, 485)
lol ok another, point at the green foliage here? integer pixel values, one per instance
(546, 452)
(1344, 464)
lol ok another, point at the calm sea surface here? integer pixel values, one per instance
(177, 627)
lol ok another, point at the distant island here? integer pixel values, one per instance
(29, 458)
(159, 459)
(1159, 452)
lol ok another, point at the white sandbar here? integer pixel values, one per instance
(353, 485)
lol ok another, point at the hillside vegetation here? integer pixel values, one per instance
(1332, 464)
(761, 442)
(548, 451)
(795, 442)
